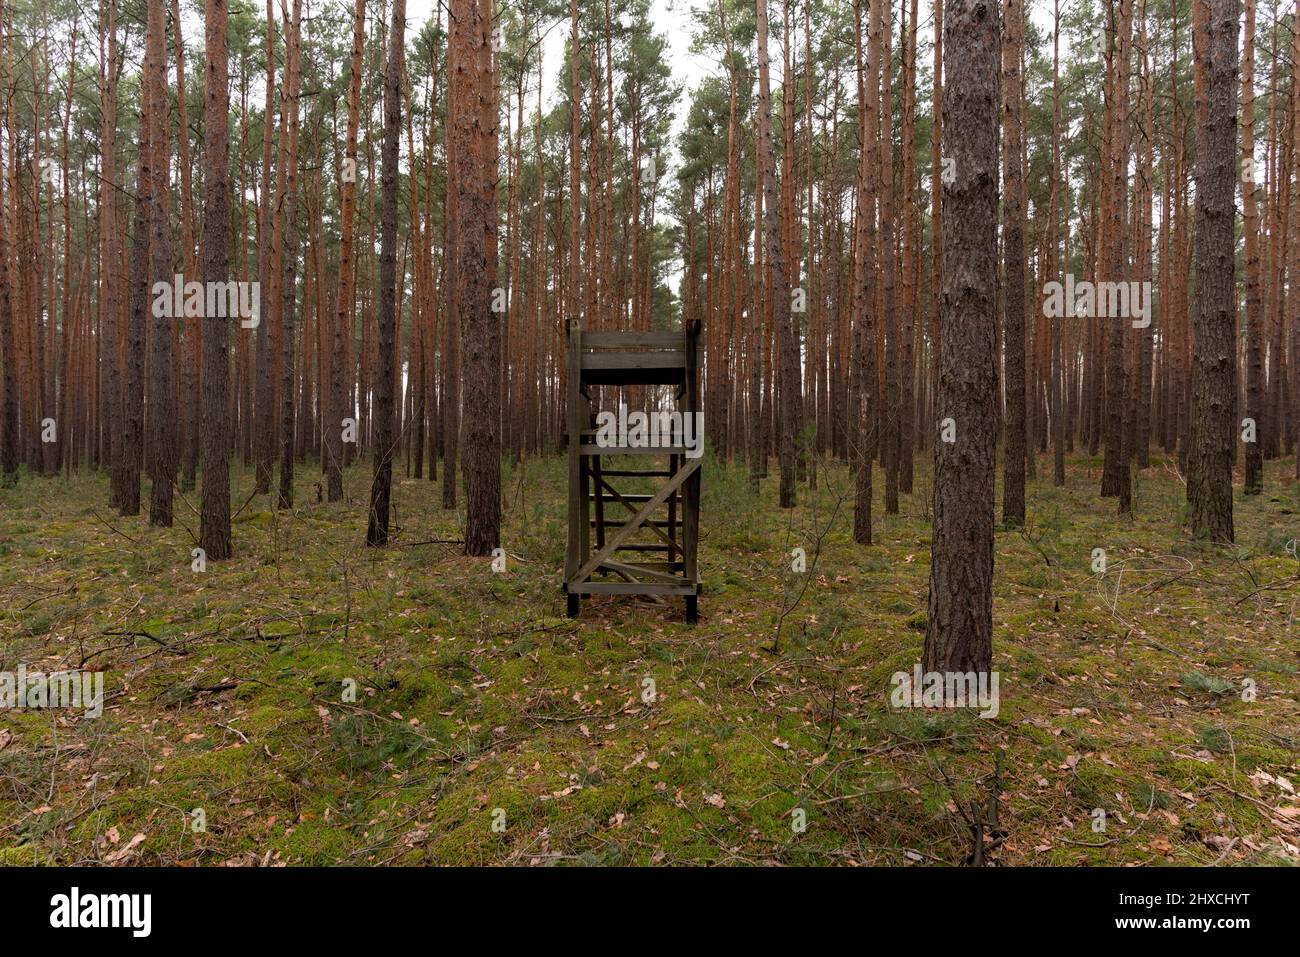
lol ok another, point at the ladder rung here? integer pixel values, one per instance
(631, 499)
(658, 522)
(674, 341)
(593, 449)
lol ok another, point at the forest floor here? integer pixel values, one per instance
(487, 728)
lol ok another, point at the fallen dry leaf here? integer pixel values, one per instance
(125, 851)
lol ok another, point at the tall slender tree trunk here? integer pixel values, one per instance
(190, 375)
(382, 484)
(1053, 217)
(288, 283)
(8, 342)
(1115, 477)
(162, 399)
(1295, 246)
(1214, 370)
(959, 630)
(1254, 474)
(264, 401)
(936, 221)
(864, 338)
(1013, 264)
(214, 419)
(140, 298)
(911, 261)
(776, 261)
(1146, 171)
(888, 254)
(476, 254)
(336, 400)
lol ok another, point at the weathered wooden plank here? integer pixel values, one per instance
(633, 360)
(598, 486)
(593, 449)
(633, 340)
(633, 571)
(636, 497)
(658, 375)
(659, 566)
(630, 588)
(648, 523)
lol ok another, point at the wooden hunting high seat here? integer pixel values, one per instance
(663, 560)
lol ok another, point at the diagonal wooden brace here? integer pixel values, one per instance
(618, 496)
(623, 534)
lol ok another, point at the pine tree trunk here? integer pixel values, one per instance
(382, 484)
(889, 311)
(287, 290)
(215, 422)
(139, 302)
(776, 262)
(1053, 270)
(264, 401)
(1115, 477)
(1146, 168)
(336, 401)
(936, 224)
(190, 376)
(1254, 474)
(162, 404)
(1214, 371)
(8, 342)
(959, 630)
(1013, 264)
(475, 120)
(864, 337)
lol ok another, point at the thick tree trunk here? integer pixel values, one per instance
(140, 301)
(215, 421)
(865, 373)
(475, 120)
(1115, 476)
(1214, 370)
(382, 484)
(288, 281)
(162, 399)
(1254, 474)
(959, 631)
(1295, 254)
